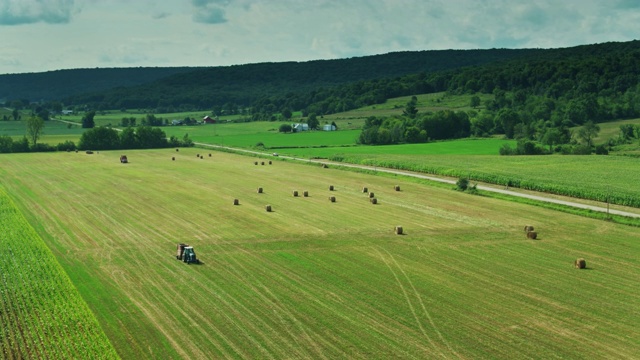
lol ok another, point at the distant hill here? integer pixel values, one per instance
(56, 85)
(239, 84)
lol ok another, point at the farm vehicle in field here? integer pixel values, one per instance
(187, 254)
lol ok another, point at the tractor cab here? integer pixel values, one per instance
(187, 254)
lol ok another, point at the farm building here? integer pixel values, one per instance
(300, 127)
(208, 120)
(176, 122)
(329, 127)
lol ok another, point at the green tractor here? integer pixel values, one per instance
(187, 254)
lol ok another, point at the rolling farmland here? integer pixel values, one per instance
(316, 279)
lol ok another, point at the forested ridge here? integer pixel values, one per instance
(59, 84)
(243, 86)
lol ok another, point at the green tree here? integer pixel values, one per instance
(16, 115)
(285, 128)
(35, 126)
(313, 121)
(588, 132)
(475, 101)
(552, 136)
(287, 114)
(87, 120)
(411, 110)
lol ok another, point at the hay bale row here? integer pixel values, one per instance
(262, 163)
(332, 199)
(580, 263)
(255, 163)
(532, 235)
(371, 195)
(398, 230)
(373, 201)
(365, 189)
(295, 193)
(305, 194)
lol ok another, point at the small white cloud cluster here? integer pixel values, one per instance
(210, 11)
(17, 12)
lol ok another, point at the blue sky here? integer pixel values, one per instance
(43, 35)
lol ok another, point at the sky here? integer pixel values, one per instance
(46, 35)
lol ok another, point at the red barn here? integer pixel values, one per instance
(208, 120)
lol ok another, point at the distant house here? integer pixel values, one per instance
(208, 120)
(300, 127)
(67, 112)
(329, 127)
(176, 122)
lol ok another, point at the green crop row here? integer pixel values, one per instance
(42, 315)
(596, 178)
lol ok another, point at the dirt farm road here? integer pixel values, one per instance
(539, 197)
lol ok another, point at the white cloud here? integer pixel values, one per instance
(17, 12)
(179, 32)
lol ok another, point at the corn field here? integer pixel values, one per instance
(42, 315)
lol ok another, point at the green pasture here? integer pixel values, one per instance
(320, 279)
(54, 132)
(454, 147)
(426, 103)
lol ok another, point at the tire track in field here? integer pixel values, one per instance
(305, 287)
(406, 296)
(424, 308)
(275, 301)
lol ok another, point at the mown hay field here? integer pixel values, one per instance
(320, 279)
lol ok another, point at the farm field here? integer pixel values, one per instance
(321, 279)
(589, 177)
(42, 315)
(54, 132)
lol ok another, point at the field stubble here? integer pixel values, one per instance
(315, 279)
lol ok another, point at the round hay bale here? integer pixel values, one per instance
(332, 198)
(396, 188)
(262, 163)
(581, 263)
(325, 166)
(532, 235)
(305, 194)
(255, 163)
(365, 189)
(76, 151)
(371, 195)
(373, 201)
(236, 202)
(268, 208)
(209, 154)
(197, 155)
(173, 158)
(269, 162)
(330, 187)
(528, 228)
(177, 150)
(398, 230)
(259, 190)
(295, 193)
